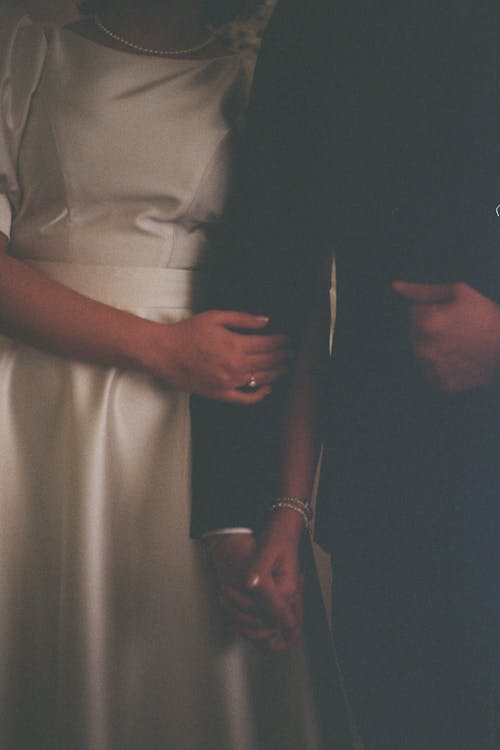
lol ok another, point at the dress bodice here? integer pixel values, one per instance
(110, 157)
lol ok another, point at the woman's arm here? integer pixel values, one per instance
(202, 354)
(265, 602)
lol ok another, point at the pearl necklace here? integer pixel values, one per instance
(147, 50)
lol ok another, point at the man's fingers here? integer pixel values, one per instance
(241, 621)
(278, 643)
(246, 618)
(264, 618)
(242, 602)
(249, 623)
(426, 294)
(257, 636)
(284, 640)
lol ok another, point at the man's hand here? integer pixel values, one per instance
(455, 333)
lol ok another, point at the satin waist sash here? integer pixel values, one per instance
(127, 287)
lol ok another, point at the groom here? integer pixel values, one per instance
(372, 130)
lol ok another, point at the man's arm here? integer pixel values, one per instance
(454, 328)
(262, 265)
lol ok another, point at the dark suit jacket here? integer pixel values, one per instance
(372, 129)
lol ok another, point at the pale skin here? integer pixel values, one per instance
(455, 333)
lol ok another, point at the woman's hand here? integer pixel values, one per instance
(275, 579)
(268, 615)
(207, 355)
(230, 555)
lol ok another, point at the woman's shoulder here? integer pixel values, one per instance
(22, 39)
(23, 48)
(17, 27)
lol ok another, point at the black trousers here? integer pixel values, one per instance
(415, 589)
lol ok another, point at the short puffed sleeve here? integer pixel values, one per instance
(22, 53)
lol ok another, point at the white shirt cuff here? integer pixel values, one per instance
(5, 215)
(229, 530)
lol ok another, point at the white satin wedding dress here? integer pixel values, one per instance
(113, 168)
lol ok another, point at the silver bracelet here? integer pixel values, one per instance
(301, 505)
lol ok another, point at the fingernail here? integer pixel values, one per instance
(263, 317)
(253, 581)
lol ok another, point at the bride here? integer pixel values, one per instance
(116, 134)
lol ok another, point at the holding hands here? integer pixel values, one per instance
(260, 582)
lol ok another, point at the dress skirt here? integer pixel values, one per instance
(114, 171)
(109, 634)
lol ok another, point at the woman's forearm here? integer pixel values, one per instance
(54, 318)
(301, 424)
(301, 432)
(201, 354)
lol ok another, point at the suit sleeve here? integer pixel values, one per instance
(265, 264)
(458, 237)
(480, 199)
